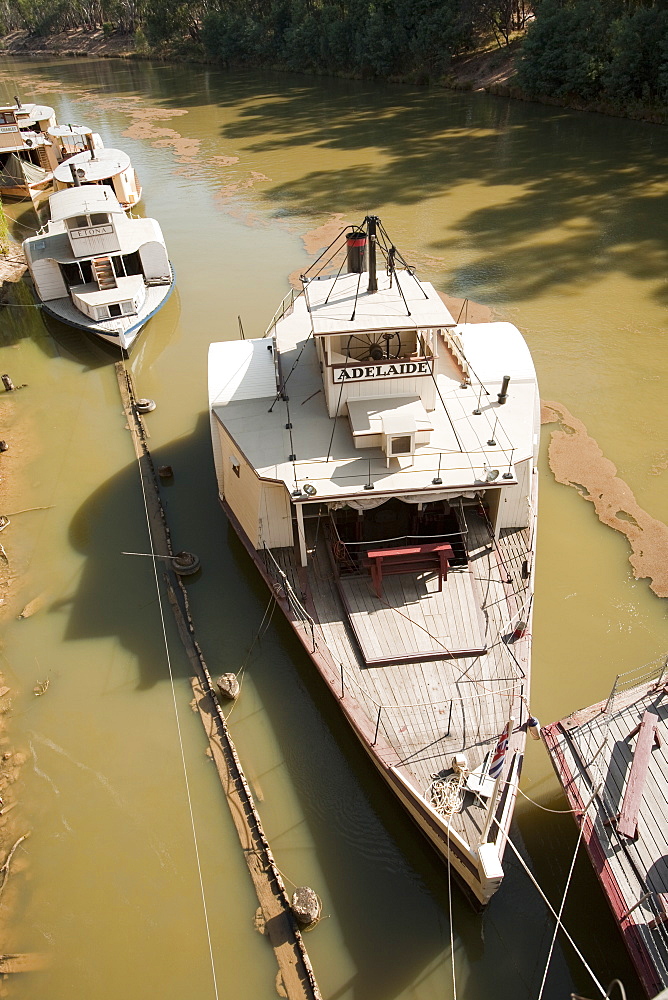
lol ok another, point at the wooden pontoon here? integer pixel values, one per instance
(378, 461)
(613, 758)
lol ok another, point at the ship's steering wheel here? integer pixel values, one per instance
(374, 346)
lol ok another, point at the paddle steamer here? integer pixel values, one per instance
(378, 460)
(97, 269)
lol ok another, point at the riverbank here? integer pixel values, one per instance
(13, 825)
(490, 69)
(488, 66)
(12, 265)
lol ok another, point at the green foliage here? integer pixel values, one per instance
(638, 42)
(602, 50)
(594, 50)
(369, 38)
(564, 52)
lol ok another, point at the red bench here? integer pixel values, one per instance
(409, 559)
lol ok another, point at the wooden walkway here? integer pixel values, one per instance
(599, 759)
(295, 979)
(430, 709)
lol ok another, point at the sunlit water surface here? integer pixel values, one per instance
(558, 221)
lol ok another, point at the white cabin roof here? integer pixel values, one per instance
(107, 163)
(58, 131)
(241, 369)
(34, 112)
(132, 234)
(458, 453)
(83, 199)
(346, 306)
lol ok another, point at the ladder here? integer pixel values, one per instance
(43, 158)
(103, 272)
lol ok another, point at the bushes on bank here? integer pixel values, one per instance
(597, 50)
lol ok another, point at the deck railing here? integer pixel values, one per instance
(285, 308)
(655, 670)
(297, 608)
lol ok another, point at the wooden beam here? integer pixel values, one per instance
(627, 825)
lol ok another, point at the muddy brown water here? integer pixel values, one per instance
(555, 219)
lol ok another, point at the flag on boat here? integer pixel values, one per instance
(496, 766)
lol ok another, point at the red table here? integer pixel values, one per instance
(409, 559)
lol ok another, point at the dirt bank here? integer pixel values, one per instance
(12, 265)
(13, 825)
(77, 42)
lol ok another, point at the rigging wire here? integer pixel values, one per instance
(178, 727)
(552, 911)
(558, 923)
(452, 931)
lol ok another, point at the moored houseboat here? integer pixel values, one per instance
(27, 156)
(97, 269)
(378, 460)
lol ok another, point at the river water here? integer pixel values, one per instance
(557, 220)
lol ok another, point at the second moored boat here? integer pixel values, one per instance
(96, 269)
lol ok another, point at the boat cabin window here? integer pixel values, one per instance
(77, 273)
(78, 222)
(99, 219)
(115, 309)
(7, 118)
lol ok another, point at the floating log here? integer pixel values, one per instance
(297, 981)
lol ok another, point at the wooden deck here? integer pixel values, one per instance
(599, 759)
(414, 620)
(433, 707)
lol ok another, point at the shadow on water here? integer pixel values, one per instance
(567, 204)
(388, 888)
(577, 203)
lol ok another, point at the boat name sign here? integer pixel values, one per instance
(389, 369)
(84, 234)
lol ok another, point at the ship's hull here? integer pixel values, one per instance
(66, 312)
